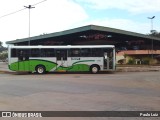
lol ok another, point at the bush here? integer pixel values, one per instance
(121, 61)
(3, 56)
(131, 61)
(145, 62)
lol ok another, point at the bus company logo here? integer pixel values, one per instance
(75, 58)
(6, 114)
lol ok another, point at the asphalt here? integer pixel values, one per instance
(146, 68)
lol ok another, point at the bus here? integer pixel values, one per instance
(43, 59)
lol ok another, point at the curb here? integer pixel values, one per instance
(125, 70)
(137, 69)
(4, 72)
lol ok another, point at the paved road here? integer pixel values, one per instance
(119, 91)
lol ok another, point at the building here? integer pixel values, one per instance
(132, 48)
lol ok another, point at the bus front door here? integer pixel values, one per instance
(61, 56)
(108, 60)
(23, 60)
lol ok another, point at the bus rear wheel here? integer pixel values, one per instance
(94, 69)
(40, 69)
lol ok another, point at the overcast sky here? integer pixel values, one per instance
(58, 15)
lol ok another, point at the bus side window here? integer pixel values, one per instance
(14, 52)
(75, 53)
(97, 52)
(48, 52)
(23, 54)
(35, 52)
(86, 52)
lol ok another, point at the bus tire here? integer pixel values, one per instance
(40, 69)
(94, 69)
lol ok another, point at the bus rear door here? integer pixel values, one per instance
(108, 59)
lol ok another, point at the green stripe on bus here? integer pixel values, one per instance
(31, 64)
(77, 67)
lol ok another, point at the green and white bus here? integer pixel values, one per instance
(42, 59)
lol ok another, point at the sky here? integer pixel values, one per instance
(57, 15)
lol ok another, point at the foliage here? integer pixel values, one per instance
(3, 52)
(155, 34)
(121, 61)
(2, 48)
(0, 43)
(146, 61)
(3, 55)
(125, 55)
(131, 61)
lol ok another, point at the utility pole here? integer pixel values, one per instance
(29, 7)
(151, 18)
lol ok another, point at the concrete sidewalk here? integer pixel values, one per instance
(4, 68)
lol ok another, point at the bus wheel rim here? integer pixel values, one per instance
(40, 70)
(94, 69)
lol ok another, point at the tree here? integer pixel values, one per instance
(3, 55)
(155, 34)
(0, 43)
(2, 48)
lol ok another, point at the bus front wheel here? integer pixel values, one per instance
(40, 69)
(94, 69)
